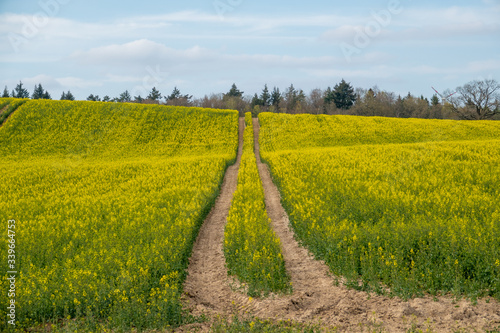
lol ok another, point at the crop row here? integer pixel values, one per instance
(251, 248)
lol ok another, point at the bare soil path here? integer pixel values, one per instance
(207, 285)
(315, 298)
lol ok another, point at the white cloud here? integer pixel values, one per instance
(116, 78)
(411, 24)
(252, 22)
(374, 72)
(143, 52)
(184, 24)
(79, 83)
(52, 84)
(471, 68)
(171, 18)
(421, 24)
(138, 58)
(342, 33)
(45, 80)
(485, 65)
(198, 49)
(348, 33)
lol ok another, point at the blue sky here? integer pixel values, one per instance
(203, 46)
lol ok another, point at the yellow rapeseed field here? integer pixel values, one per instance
(410, 204)
(108, 199)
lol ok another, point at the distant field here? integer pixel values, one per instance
(108, 199)
(409, 204)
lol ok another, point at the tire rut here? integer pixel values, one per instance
(206, 285)
(310, 278)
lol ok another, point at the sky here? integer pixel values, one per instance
(204, 46)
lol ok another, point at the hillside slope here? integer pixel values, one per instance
(107, 200)
(115, 130)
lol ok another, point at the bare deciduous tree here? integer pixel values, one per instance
(477, 100)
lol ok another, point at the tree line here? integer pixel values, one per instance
(478, 99)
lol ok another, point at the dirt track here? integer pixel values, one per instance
(206, 285)
(315, 298)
